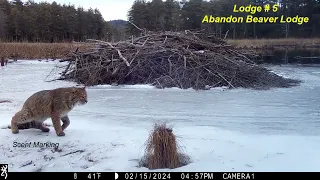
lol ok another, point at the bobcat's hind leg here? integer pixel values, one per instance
(20, 117)
(14, 126)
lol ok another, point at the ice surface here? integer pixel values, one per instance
(221, 130)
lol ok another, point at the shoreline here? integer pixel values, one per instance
(26, 50)
(292, 43)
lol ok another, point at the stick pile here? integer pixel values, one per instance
(170, 59)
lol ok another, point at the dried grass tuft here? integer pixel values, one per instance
(162, 150)
(29, 51)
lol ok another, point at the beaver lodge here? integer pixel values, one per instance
(170, 59)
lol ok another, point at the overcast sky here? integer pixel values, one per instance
(110, 9)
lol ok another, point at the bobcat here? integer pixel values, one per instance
(45, 104)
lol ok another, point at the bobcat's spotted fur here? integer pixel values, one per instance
(45, 104)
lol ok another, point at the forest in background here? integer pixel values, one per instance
(168, 15)
(49, 22)
(52, 22)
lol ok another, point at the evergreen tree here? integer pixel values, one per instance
(49, 22)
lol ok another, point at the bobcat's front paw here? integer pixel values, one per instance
(61, 134)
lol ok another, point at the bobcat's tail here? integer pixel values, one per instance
(28, 125)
